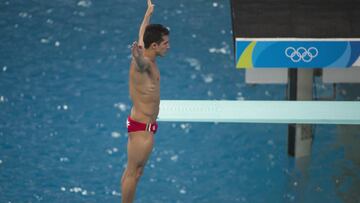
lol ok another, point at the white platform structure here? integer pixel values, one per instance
(280, 75)
(299, 112)
(349, 75)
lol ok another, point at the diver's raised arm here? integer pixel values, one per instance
(145, 22)
(137, 53)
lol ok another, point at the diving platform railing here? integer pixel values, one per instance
(299, 112)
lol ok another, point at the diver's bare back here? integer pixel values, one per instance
(144, 87)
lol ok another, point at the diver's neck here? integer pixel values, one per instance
(150, 55)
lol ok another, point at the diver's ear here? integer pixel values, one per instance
(154, 45)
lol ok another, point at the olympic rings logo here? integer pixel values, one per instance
(301, 54)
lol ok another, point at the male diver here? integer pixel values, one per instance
(144, 88)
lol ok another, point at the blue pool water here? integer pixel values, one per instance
(64, 100)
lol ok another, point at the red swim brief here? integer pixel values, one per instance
(134, 126)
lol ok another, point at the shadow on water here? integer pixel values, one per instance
(332, 172)
(348, 177)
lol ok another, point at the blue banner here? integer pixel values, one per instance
(296, 53)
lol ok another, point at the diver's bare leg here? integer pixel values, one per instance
(140, 145)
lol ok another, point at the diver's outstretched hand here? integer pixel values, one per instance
(136, 50)
(150, 8)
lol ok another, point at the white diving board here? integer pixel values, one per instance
(300, 112)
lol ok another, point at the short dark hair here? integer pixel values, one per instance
(154, 33)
